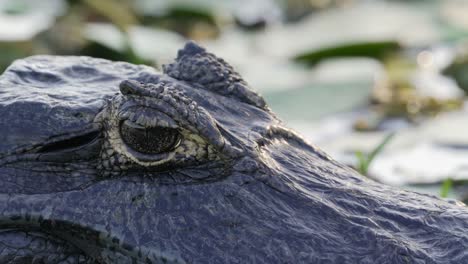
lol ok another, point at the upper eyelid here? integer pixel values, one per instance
(132, 124)
(151, 118)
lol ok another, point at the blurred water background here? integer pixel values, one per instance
(345, 73)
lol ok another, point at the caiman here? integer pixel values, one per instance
(109, 162)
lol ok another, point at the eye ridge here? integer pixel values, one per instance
(149, 140)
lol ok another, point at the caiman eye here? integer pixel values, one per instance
(149, 140)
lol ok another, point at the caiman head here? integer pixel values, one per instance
(105, 162)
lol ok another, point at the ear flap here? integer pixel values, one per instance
(195, 65)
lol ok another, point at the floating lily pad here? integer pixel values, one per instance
(377, 50)
(189, 21)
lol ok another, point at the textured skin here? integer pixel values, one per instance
(239, 188)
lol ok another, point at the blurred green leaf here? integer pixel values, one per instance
(98, 50)
(457, 70)
(117, 12)
(12, 51)
(379, 148)
(377, 50)
(364, 161)
(190, 13)
(189, 21)
(446, 187)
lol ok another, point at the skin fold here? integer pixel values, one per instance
(109, 162)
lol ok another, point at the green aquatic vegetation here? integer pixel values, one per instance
(397, 96)
(457, 71)
(378, 50)
(365, 160)
(190, 21)
(457, 188)
(98, 50)
(121, 14)
(446, 187)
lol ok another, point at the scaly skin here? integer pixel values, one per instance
(104, 162)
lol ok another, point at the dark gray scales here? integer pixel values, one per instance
(107, 162)
(203, 69)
